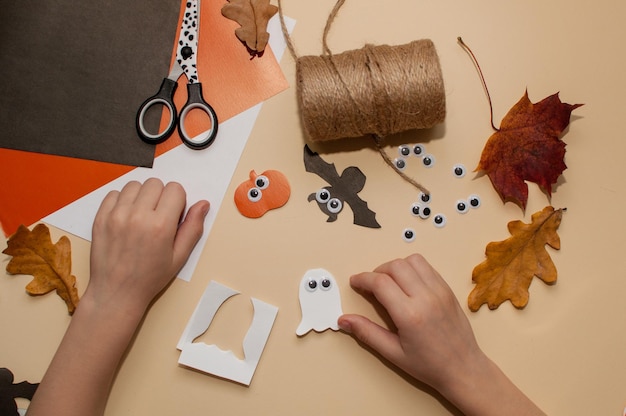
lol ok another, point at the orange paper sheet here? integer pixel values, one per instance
(35, 185)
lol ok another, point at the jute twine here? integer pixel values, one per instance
(376, 90)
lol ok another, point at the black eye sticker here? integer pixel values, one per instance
(428, 160)
(334, 206)
(474, 201)
(439, 220)
(418, 150)
(322, 196)
(262, 182)
(408, 235)
(459, 170)
(255, 194)
(462, 206)
(325, 283)
(425, 198)
(400, 163)
(311, 285)
(425, 212)
(404, 150)
(416, 208)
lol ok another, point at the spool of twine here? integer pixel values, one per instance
(379, 90)
(375, 90)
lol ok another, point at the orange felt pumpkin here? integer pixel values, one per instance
(261, 193)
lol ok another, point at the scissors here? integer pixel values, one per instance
(185, 62)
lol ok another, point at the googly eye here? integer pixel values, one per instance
(418, 150)
(408, 235)
(334, 206)
(416, 208)
(311, 285)
(439, 220)
(459, 170)
(255, 194)
(262, 182)
(425, 212)
(399, 163)
(425, 198)
(322, 196)
(428, 160)
(462, 206)
(325, 284)
(404, 150)
(474, 201)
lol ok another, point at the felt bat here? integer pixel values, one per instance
(9, 391)
(343, 189)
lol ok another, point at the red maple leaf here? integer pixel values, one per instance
(527, 147)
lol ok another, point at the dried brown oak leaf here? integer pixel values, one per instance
(252, 16)
(50, 264)
(511, 264)
(527, 147)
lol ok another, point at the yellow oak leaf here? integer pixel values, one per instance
(50, 264)
(511, 264)
(252, 16)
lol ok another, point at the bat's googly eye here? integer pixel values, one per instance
(425, 198)
(400, 163)
(325, 284)
(311, 285)
(462, 206)
(255, 194)
(459, 170)
(404, 150)
(322, 196)
(425, 212)
(474, 201)
(439, 220)
(428, 160)
(408, 235)
(262, 182)
(416, 208)
(418, 150)
(334, 206)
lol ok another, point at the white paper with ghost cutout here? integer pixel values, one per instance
(320, 302)
(210, 358)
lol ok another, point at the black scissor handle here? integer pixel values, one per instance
(195, 100)
(164, 98)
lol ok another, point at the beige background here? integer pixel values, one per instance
(566, 349)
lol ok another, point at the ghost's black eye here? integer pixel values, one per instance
(458, 170)
(474, 201)
(311, 285)
(428, 161)
(325, 283)
(408, 235)
(439, 220)
(399, 163)
(322, 196)
(462, 206)
(418, 150)
(404, 150)
(262, 182)
(334, 205)
(255, 195)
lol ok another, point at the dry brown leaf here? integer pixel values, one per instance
(511, 264)
(50, 264)
(252, 16)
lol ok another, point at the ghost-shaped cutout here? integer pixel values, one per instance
(320, 302)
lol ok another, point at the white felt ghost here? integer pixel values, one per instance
(320, 302)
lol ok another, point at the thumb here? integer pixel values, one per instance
(189, 232)
(373, 335)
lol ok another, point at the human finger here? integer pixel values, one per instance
(128, 194)
(189, 232)
(404, 274)
(373, 335)
(172, 200)
(427, 272)
(383, 287)
(149, 195)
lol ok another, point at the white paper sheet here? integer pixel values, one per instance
(204, 174)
